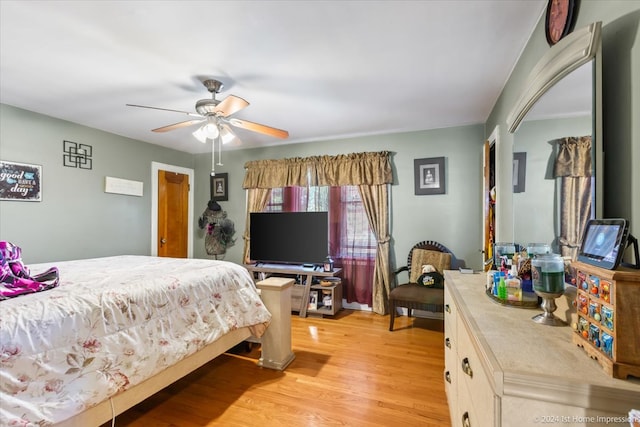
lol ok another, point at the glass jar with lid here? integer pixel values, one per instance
(534, 249)
(547, 272)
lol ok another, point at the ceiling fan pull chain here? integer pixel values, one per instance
(219, 150)
(213, 157)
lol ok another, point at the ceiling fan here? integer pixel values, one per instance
(215, 116)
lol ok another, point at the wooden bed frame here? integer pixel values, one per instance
(276, 354)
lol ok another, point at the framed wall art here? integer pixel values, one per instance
(220, 187)
(20, 181)
(519, 171)
(429, 176)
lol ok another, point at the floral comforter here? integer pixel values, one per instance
(112, 323)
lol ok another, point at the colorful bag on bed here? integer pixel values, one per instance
(15, 279)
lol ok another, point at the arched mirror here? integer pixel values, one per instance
(557, 145)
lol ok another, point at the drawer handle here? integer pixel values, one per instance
(466, 422)
(447, 342)
(447, 308)
(466, 367)
(447, 376)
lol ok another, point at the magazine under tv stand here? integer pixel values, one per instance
(264, 269)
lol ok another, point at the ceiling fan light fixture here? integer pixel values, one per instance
(206, 131)
(225, 135)
(211, 130)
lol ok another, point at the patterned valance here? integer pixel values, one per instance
(373, 168)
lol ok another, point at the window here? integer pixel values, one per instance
(351, 234)
(352, 243)
(275, 203)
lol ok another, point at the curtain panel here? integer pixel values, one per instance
(573, 167)
(371, 171)
(257, 199)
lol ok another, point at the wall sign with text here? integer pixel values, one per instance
(20, 181)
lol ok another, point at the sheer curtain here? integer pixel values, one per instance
(352, 244)
(371, 171)
(573, 167)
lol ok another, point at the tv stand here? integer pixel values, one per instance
(264, 270)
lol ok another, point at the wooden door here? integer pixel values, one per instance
(173, 212)
(488, 204)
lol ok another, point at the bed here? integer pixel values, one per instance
(115, 331)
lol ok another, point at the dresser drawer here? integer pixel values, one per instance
(450, 315)
(469, 414)
(472, 377)
(451, 374)
(451, 369)
(451, 390)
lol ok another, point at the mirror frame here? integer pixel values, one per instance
(573, 51)
(570, 53)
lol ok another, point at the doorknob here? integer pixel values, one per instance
(162, 241)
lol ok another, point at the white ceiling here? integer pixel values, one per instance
(319, 69)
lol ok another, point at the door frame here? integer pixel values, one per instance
(493, 140)
(155, 167)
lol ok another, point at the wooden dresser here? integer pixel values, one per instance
(503, 369)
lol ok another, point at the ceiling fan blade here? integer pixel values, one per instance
(177, 125)
(257, 127)
(165, 109)
(231, 104)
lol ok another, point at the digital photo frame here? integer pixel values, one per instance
(603, 242)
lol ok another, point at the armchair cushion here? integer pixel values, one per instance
(418, 294)
(419, 257)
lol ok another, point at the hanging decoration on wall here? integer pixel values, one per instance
(20, 181)
(219, 229)
(560, 19)
(519, 171)
(75, 155)
(429, 177)
(219, 183)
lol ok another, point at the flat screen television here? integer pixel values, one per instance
(289, 237)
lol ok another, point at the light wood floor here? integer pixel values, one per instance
(349, 371)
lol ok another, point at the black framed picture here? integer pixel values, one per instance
(220, 187)
(429, 176)
(519, 171)
(20, 181)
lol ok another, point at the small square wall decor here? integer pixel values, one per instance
(75, 155)
(429, 176)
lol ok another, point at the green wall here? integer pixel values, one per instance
(453, 219)
(76, 218)
(621, 108)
